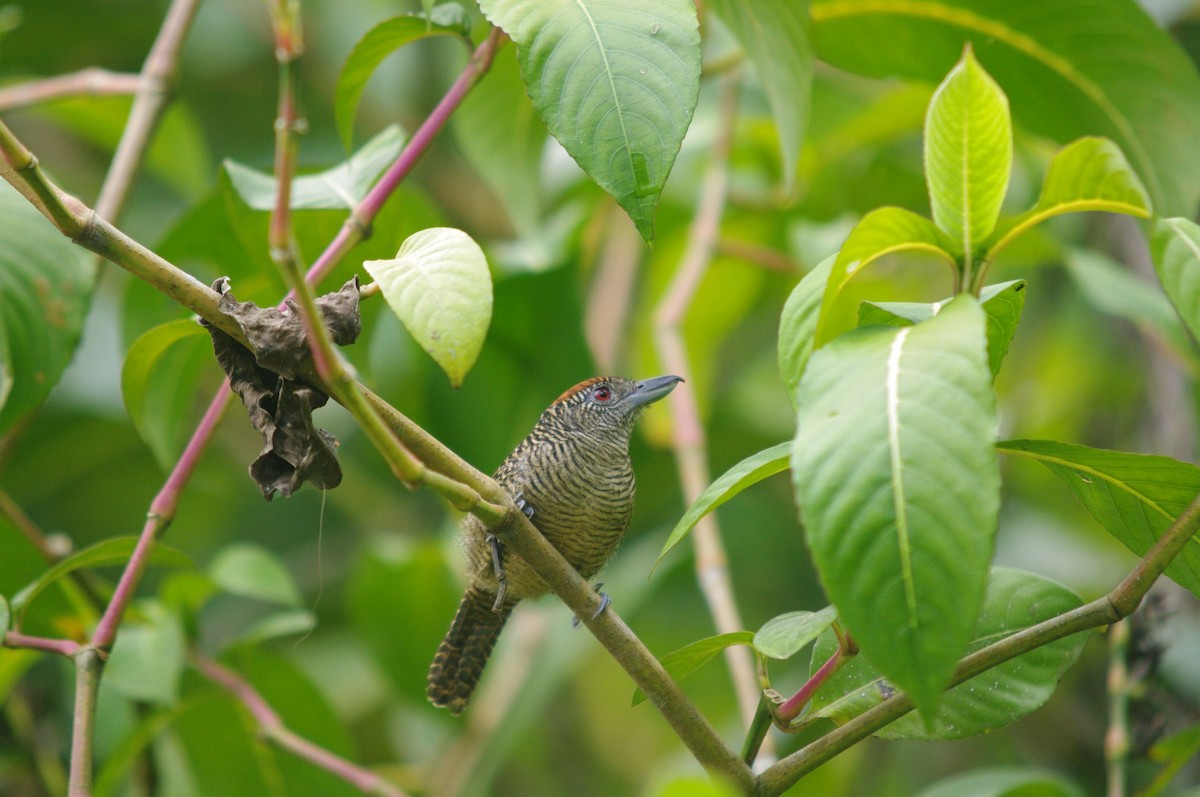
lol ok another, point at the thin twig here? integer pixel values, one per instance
(272, 727)
(691, 453)
(92, 81)
(1116, 740)
(63, 647)
(88, 665)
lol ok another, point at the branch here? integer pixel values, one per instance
(1114, 606)
(63, 647)
(691, 452)
(88, 665)
(274, 730)
(92, 81)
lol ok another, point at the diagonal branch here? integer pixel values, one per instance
(92, 81)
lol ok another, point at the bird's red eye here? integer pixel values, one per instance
(601, 394)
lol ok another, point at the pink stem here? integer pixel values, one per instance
(63, 647)
(796, 703)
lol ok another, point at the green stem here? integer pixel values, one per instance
(757, 732)
(1116, 740)
(88, 665)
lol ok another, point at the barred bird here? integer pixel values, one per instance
(572, 477)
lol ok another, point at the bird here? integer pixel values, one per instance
(571, 476)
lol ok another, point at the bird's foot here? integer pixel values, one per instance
(501, 576)
(605, 602)
(524, 506)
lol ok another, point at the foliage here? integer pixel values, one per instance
(959, 148)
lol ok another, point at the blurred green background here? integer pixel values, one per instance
(376, 565)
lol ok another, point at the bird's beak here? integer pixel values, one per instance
(649, 391)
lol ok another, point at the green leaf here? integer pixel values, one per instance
(156, 386)
(115, 551)
(13, 665)
(1087, 174)
(1003, 304)
(252, 571)
(968, 153)
(898, 488)
(1004, 782)
(1117, 290)
(749, 471)
(366, 56)
(1015, 600)
(798, 324)
(685, 661)
(294, 622)
(1135, 497)
(503, 138)
(1124, 77)
(1175, 248)
(440, 287)
(883, 231)
(339, 188)
(148, 656)
(45, 290)
(786, 635)
(776, 37)
(616, 83)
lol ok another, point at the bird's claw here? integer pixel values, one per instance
(524, 506)
(501, 576)
(605, 602)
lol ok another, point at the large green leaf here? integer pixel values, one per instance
(776, 38)
(798, 324)
(1004, 782)
(440, 287)
(1135, 497)
(786, 635)
(883, 231)
(616, 83)
(968, 153)
(45, 290)
(155, 381)
(1003, 304)
(993, 699)
(338, 188)
(689, 658)
(254, 572)
(1088, 174)
(1119, 75)
(368, 53)
(898, 488)
(749, 471)
(148, 656)
(1175, 249)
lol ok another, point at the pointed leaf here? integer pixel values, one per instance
(749, 471)
(369, 52)
(685, 661)
(440, 287)
(1087, 174)
(155, 382)
(616, 83)
(1088, 67)
(1175, 249)
(968, 153)
(339, 188)
(798, 324)
(1003, 304)
(252, 571)
(883, 231)
(115, 551)
(898, 488)
(45, 289)
(1135, 497)
(1015, 600)
(786, 635)
(776, 37)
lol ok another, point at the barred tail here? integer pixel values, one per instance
(460, 658)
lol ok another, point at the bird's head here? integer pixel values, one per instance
(610, 402)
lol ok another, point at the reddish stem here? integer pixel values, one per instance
(796, 703)
(63, 647)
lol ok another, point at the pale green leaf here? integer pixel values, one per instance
(440, 287)
(1135, 497)
(616, 83)
(685, 661)
(1015, 600)
(1087, 174)
(45, 290)
(776, 38)
(1004, 782)
(749, 471)
(1175, 249)
(968, 153)
(786, 635)
(883, 231)
(148, 657)
(898, 488)
(368, 53)
(798, 324)
(252, 571)
(339, 188)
